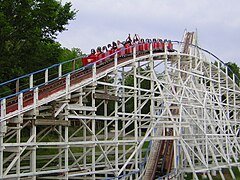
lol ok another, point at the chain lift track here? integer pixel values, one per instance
(141, 116)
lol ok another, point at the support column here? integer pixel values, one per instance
(33, 132)
(105, 130)
(135, 109)
(94, 74)
(68, 96)
(60, 149)
(84, 130)
(139, 110)
(93, 131)
(116, 113)
(151, 64)
(18, 135)
(33, 156)
(234, 104)
(228, 144)
(1, 152)
(177, 152)
(123, 116)
(2, 132)
(66, 147)
(18, 140)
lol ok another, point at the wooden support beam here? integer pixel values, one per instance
(51, 122)
(105, 97)
(81, 108)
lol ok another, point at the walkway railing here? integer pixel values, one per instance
(29, 92)
(38, 78)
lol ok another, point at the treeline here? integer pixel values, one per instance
(28, 31)
(233, 68)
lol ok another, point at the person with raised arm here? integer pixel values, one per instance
(129, 40)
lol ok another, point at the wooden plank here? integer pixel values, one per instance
(90, 117)
(81, 108)
(105, 97)
(12, 149)
(51, 122)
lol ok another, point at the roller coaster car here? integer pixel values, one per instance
(155, 45)
(121, 52)
(93, 58)
(146, 47)
(158, 46)
(101, 56)
(111, 52)
(137, 48)
(90, 59)
(143, 47)
(170, 46)
(129, 50)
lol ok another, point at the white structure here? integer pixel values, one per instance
(98, 124)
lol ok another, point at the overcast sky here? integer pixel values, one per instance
(99, 22)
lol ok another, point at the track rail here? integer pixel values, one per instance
(26, 97)
(10, 103)
(188, 41)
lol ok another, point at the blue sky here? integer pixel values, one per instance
(99, 22)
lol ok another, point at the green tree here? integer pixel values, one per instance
(68, 54)
(234, 69)
(28, 30)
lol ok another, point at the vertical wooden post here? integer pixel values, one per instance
(60, 70)
(46, 75)
(31, 81)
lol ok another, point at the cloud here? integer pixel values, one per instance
(99, 22)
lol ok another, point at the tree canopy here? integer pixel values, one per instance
(234, 69)
(28, 31)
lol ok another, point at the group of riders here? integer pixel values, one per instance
(128, 42)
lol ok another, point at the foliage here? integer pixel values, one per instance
(145, 84)
(68, 54)
(234, 69)
(28, 29)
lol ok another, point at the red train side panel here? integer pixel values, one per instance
(146, 47)
(88, 60)
(170, 47)
(129, 50)
(121, 52)
(101, 56)
(141, 47)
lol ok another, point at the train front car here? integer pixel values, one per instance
(89, 59)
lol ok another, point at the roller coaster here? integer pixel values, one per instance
(145, 115)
